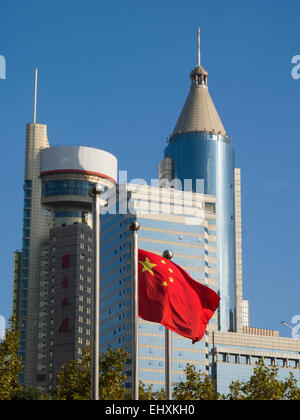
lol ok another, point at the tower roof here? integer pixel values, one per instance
(199, 112)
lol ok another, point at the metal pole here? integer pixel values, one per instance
(35, 95)
(134, 227)
(291, 328)
(168, 348)
(96, 191)
(199, 57)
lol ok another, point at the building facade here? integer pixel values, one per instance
(184, 222)
(200, 150)
(65, 315)
(57, 188)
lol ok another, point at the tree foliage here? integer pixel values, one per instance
(74, 380)
(10, 362)
(29, 394)
(146, 393)
(197, 386)
(112, 376)
(265, 384)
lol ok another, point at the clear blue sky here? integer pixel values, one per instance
(115, 74)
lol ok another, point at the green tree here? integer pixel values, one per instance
(112, 377)
(264, 384)
(10, 362)
(197, 386)
(146, 393)
(29, 394)
(74, 380)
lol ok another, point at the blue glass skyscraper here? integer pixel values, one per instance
(200, 149)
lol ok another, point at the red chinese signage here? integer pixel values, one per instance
(65, 263)
(66, 259)
(64, 326)
(65, 282)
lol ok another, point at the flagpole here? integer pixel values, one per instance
(134, 227)
(96, 191)
(168, 348)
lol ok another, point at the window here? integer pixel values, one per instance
(244, 360)
(280, 362)
(67, 187)
(210, 207)
(292, 363)
(255, 360)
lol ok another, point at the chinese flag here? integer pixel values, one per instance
(169, 296)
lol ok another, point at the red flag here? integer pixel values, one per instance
(169, 296)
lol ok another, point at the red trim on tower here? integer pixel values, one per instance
(77, 171)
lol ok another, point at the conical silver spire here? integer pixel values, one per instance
(199, 112)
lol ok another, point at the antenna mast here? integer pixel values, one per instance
(199, 56)
(35, 95)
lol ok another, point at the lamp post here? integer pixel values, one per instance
(168, 347)
(134, 227)
(96, 191)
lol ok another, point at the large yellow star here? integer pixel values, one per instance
(147, 266)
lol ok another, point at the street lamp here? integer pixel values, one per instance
(134, 227)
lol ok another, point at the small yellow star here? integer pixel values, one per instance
(147, 266)
(171, 279)
(163, 262)
(170, 269)
(165, 284)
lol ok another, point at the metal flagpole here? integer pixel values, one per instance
(168, 348)
(134, 227)
(96, 191)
